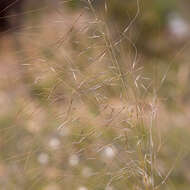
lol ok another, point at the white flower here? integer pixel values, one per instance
(54, 143)
(82, 188)
(109, 152)
(74, 160)
(87, 172)
(43, 158)
(177, 26)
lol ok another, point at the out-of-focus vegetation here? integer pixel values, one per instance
(96, 97)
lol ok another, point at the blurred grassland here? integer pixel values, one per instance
(85, 106)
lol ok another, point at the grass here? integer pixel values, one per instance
(91, 114)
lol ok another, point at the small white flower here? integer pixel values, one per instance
(74, 160)
(109, 152)
(177, 26)
(43, 158)
(54, 143)
(87, 172)
(82, 188)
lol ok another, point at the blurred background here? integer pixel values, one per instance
(94, 95)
